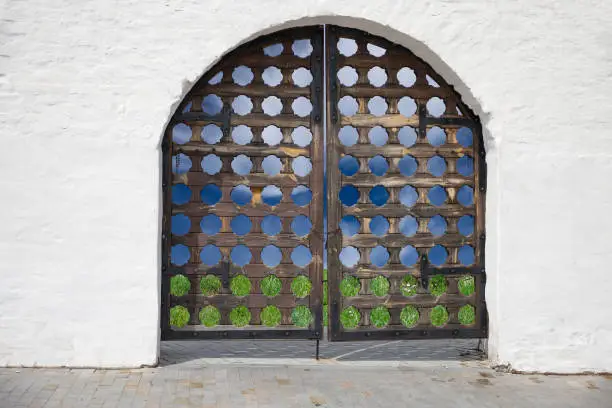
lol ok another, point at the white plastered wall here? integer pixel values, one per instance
(86, 88)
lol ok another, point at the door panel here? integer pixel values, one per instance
(243, 188)
(406, 197)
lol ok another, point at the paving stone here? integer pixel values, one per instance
(369, 374)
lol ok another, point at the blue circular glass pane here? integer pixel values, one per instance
(408, 225)
(241, 224)
(240, 255)
(407, 136)
(242, 165)
(211, 134)
(301, 225)
(437, 255)
(348, 195)
(272, 165)
(210, 194)
(466, 255)
(301, 195)
(379, 256)
(272, 135)
(465, 196)
(348, 106)
(180, 224)
(465, 137)
(465, 166)
(271, 256)
(379, 225)
(181, 163)
(377, 106)
(409, 255)
(348, 135)
(465, 225)
(436, 166)
(302, 166)
(437, 225)
(301, 256)
(271, 225)
(241, 195)
(437, 195)
(179, 255)
(348, 165)
(379, 195)
(349, 225)
(210, 255)
(436, 136)
(271, 195)
(407, 165)
(301, 136)
(408, 196)
(242, 135)
(212, 104)
(181, 194)
(302, 77)
(378, 165)
(211, 164)
(181, 133)
(349, 256)
(242, 75)
(378, 136)
(210, 224)
(273, 50)
(407, 106)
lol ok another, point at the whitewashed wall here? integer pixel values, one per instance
(86, 88)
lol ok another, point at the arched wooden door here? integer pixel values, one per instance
(406, 177)
(243, 184)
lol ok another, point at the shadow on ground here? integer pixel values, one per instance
(176, 352)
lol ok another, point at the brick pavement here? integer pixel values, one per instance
(196, 374)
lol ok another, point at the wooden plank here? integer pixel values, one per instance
(229, 239)
(418, 180)
(399, 240)
(395, 91)
(316, 182)
(368, 120)
(334, 214)
(255, 180)
(281, 151)
(254, 120)
(260, 120)
(284, 270)
(229, 301)
(399, 301)
(399, 151)
(255, 90)
(231, 209)
(419, 210)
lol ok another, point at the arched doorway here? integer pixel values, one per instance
(245, 180)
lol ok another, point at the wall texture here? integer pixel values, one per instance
(86, 88)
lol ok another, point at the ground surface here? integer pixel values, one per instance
(284, 374)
